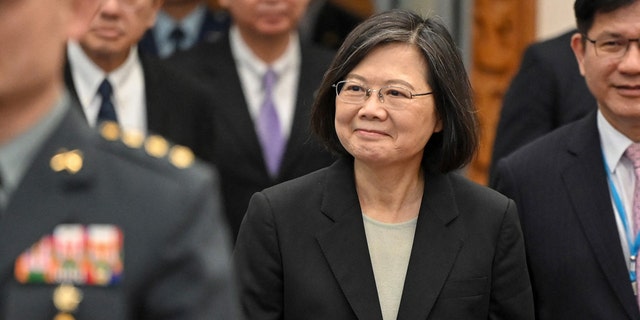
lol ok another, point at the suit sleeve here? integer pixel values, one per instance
(511, 293)
(258, 260)
(196, 281)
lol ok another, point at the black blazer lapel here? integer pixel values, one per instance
(31, 204)
(586, 179)
(438, 239)
(345, 244)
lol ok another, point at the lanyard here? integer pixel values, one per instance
(633, 246)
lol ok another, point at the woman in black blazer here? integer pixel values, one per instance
(389, 231)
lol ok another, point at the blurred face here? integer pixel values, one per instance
(266, 17)
(118, 25)
(28, 28)
(394, 131)
(614, 80)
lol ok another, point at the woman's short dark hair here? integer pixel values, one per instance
(455, 145)
(585, 11)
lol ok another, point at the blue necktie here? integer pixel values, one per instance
(177, 38)
(107, 111)
(269, 130)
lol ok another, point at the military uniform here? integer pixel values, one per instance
(117, 226)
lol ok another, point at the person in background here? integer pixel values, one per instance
(327, 23)
(112, 81)
(182, 24)
(546, 93)
(576, 188)
(89, 227)
(263, 79)
(390, 230)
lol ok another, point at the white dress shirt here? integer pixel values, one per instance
(251, 70)
(614, 144)
(128, 85)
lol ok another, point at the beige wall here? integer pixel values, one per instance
(554, 17)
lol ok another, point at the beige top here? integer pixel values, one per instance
(390, 249)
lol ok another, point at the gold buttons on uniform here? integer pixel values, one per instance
(181, 157)
(156, 146)
(66, 298)
(133, 139)
(71, 161)
(110, 130)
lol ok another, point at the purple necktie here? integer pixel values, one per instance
(633, 153)
(269, 131)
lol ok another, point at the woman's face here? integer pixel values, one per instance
(394, 131)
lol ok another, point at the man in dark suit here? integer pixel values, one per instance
(148, 96)
(90, 228)
(182, 24)
(546, 93)
(262, 38)
(575, 187)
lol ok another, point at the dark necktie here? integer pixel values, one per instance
(269, 130)
(177, 38)
(107, 111)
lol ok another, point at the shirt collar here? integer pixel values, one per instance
(87, 76)
(613, 142)
(243, 55)
(190, 25)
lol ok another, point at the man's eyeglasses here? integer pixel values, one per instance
(611, 46)
(395, 96)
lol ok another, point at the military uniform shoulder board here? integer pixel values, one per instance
(154, 145)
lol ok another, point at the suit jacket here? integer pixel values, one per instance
(547, 92)
(238, 154)
(177, 107)
(214, 26)
(576, 262)
(302, 253)
(176, 247)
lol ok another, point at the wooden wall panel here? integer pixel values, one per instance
(501, 31)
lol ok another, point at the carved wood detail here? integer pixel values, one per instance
(501, 31)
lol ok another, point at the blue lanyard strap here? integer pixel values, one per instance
(633, 246)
